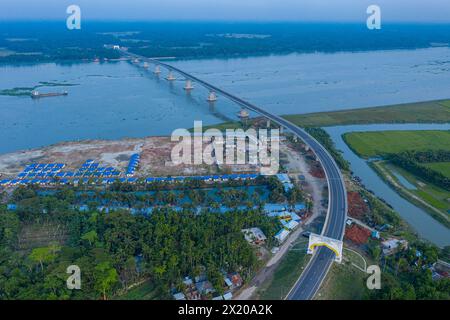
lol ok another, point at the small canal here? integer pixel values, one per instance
(425, 225)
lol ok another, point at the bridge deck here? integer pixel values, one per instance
(316, 270)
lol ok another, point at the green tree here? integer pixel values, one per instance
(90, 236)
(44, 255)
(105, 278)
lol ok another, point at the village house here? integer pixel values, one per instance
(254, 236)
(392, 245)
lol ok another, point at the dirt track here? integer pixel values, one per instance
(296, 165)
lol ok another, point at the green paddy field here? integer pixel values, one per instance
(379, 143)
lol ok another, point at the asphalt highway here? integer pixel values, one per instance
(315, 272)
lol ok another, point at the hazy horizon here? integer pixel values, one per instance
(347, 11)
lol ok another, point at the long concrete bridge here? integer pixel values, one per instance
(315, 272)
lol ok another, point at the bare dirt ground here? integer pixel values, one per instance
(297, 165)
(155, 157)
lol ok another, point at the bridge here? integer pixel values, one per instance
(334, 227)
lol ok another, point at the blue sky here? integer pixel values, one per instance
(259, 10)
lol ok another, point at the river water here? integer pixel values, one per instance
(111, 101)
(425, 225)
(117, 99)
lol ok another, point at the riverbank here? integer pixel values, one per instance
(391, 180)
(102, 107)
(420, 191)
(345, 281)
(424, 224)
(434, 111)
(34, 41)
(416, 216)
(437, 111)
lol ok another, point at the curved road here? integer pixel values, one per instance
(315, 272)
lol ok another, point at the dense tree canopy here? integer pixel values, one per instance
(117, 249)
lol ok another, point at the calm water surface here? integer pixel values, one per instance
(425, 225)
(116, 100)
(112, 100)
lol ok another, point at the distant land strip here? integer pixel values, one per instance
(437, 111)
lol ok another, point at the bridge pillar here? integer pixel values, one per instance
(281, 130)
(170, 76)
(188, 85)
(157, 70)
(268, 124)
(243, 115)
(212, 96)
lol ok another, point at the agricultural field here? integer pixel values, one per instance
(442, 167)
(412, 186)
(420, 112)
(379, 143)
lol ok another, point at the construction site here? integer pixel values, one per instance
(155, 158)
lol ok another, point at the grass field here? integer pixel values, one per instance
(286, 273)
(344, 282)
(371, 144)
(420, 112)
(425, 191)
(434, 195)
(442, 167)
(145, 291)
(426, 195)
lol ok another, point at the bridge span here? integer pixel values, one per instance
(315, 272)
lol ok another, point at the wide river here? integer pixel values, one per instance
(117, 99)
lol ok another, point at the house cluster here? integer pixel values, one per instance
(200, 288)
(287, 216)
(52, 173)
(286, 181)
(212, 178)
(247, 147)
(93, 173)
